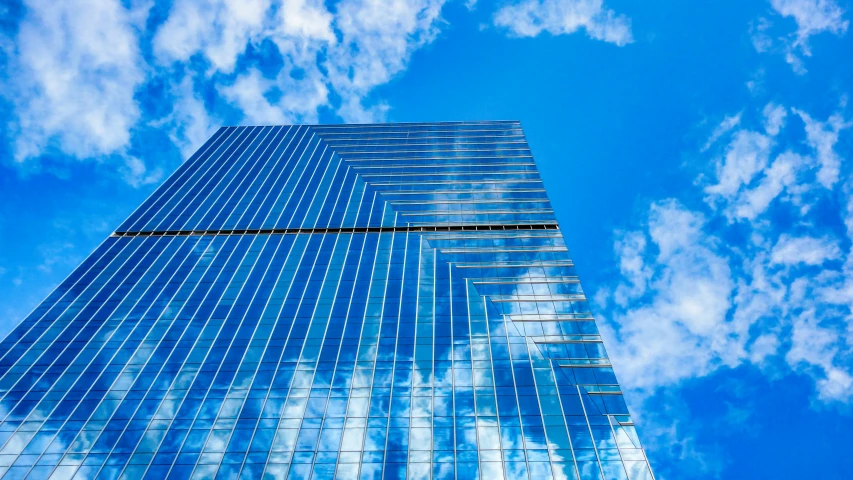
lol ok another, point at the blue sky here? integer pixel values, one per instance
(697, 154)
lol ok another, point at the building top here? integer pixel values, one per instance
(414, 174)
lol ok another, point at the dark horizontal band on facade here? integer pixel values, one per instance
(343, 230)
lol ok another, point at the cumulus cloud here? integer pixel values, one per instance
(746, 156)
(631, 247)
(674, 326)
(811, 17)
(189, 124)
(81, 86)
(529, 18)
(692, 301)
(343, 54)
(247, 93)
(218, 29)
(136, 173)
(752, 170)
(806, 250)
(774, 118)
(816, 347)
(78, 78)
(74, 71)
(781, 175)
(747, 153)
(378, 40)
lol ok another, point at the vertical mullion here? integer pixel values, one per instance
(186, 171)
(187, 189)
(259, 218)
(218, 206)
(80, 278)
(254, 292)
(205, 296)
(243, 164)
(71, 322)
(171, 275)
(247, 186)
(197, 192)
(263, 185)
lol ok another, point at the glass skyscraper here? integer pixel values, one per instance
(337, 301)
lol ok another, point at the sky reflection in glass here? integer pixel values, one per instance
(362, 301)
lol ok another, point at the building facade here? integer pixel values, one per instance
(348, 301)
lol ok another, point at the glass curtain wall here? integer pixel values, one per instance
(342, 301)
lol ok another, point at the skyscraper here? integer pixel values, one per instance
(342, 301)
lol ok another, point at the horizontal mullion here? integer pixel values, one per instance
(339, 230)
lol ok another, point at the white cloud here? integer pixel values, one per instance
(750, 175)
(528, 18)
(781, 174)
(677, 328)
(378, 40)
(73, 77)
(761, 41)
(76, 69)
(816, 347)
(774, 118)
(822, 137)
(812, 17)
(247, 93)
(189, 124)
(218, 29)
(806, 250)
(763, 347)
(692, 301)
(669, 429)
(746, 156)
(630, 248)
(304, 21)
(723, 128)
(837, 385)
(348, 53)
(136, 173)
(57, 254)
(756, 83)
